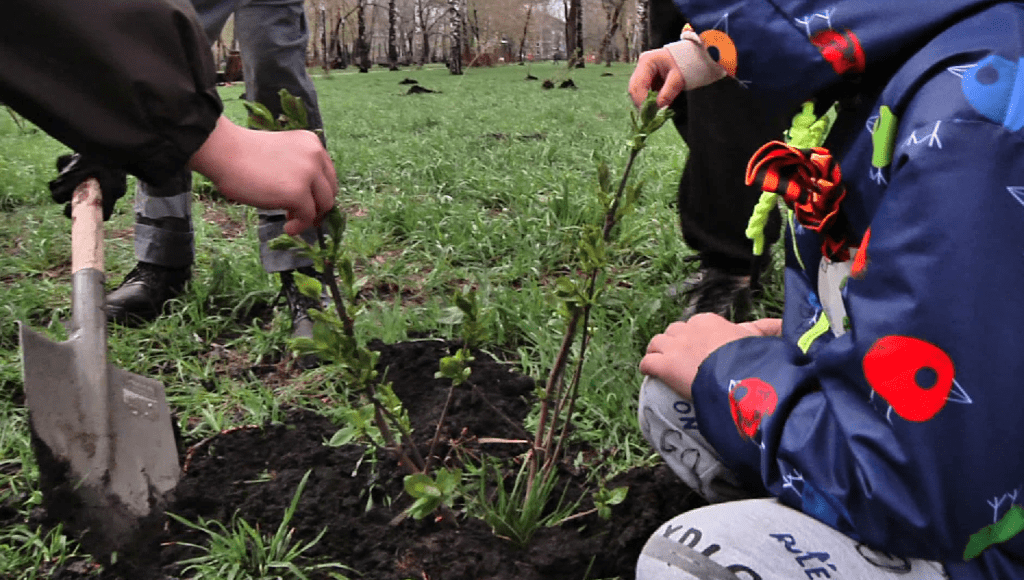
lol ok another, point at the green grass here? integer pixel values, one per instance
(486, 182)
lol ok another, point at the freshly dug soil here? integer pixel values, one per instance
(254, 473)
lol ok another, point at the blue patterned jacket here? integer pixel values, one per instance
(892, 408)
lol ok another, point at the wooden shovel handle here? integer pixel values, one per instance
(87, 226)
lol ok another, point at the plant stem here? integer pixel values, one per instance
(609, 218)
(332, 284)
(437, 429)
(412, 464)
(546, 448)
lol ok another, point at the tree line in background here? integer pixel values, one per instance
(394, 33)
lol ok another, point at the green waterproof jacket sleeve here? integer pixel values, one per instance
(129, 82)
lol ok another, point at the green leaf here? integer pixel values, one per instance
(617, 495)
(452, 315)
(347, 274)
(448, 480)
(324, 335)
(421, 485)
(343, 436)
(423, 507)
(336, 222)
(303, 345)
(649, 109)
(286, 242)
(604, 178)
(308, 286)
(565, 287)
(260, 117)
(294, 109)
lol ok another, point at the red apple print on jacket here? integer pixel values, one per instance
(841, 49)
(751, 400)
(913, 376)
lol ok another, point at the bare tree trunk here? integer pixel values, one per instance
(627, 46)
(581, 57)
(570, 34)
(455, 53)
(392, 48)
(362, 47)
(325, 58)
(526, 28)
(315, 36)
(643, 26)
(574, 34)
(337, 46)
(613, 12)
(474, 28)
(425, 54)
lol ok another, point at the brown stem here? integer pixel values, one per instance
(554, 447)
(332, 285)
(554, 379)
(551, 447)
(609, 218)
(405, 438)
(437, 430)
(411, 464)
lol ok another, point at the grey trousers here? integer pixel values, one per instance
(272, 35)
(744, 539)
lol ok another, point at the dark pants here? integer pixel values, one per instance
(722, 127)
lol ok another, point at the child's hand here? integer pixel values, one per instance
(679, 66)
(656, 70)
(287, 170)
(674, 356)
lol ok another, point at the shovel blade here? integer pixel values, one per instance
(104, 441)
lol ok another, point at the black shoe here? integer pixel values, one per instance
(144, 292)
(716, 291)
(299, 304)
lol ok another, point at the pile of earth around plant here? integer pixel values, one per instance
(254, 473)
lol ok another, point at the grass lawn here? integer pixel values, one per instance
(486, 182)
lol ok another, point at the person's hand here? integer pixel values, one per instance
(656, 70)
(674, 356)
(683, 65)
(287, 170)
(74, 168)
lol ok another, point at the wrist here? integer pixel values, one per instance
(216, 150)
(693, 61)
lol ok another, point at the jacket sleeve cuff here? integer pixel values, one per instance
(693, 60)
(737, 393)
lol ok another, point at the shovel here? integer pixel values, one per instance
(103, 437)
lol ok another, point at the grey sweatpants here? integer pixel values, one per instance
(744, 539)
(272, 36)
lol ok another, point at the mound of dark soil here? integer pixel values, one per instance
(419, 89)
(254, 473)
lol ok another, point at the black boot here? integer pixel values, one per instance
(719, 292)
(299, 304)
(144, 291)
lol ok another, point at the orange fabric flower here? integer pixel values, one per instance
(809, 181)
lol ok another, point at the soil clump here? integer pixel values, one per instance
(253, 473)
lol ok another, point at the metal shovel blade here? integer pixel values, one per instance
(103, 436)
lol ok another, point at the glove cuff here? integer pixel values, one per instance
(693, 60)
